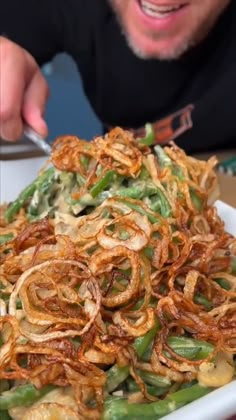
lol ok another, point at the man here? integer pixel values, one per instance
(140, 60)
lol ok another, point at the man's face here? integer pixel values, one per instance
(165, 29)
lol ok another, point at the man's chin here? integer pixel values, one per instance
(160, 50)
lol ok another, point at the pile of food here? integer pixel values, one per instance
(117, 284)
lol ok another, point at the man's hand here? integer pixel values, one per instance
(23, 92)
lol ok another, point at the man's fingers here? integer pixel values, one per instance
(34, 103)
(12, 84)
(23, 92)
(11, 129)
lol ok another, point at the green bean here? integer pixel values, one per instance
(223, 283)
(160, 204)
(141, 210)
(184, 346)
(138, 304)
(5, 297)
(149, 253)
(116, 375)
(85, 161)
(177, 171)
(188, 353)
(149, 138)
(6, 238)
(4, 384)
(147, 355)
(102, 183)
(23, 395)
(138, 190)
(40, 201)
(144, 174)
(124, 235)
(163, 159)
(185, 385)
(14, 208)
(233, 265)
(45, 180)
(80, 179)
(40, 183)
(117, 409)
(153, 379)
(152, 390)
(202, 300)
(197, 202)
(67, 178)
(166, 162)
(18, 303)
(189, 348)
(142, 343)
(5, 415)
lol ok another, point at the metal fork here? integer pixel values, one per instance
(30, 134)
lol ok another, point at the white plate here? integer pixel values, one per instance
(228, 214)
(221, 403)
(15, 175)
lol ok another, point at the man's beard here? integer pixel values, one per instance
(169, 55)
(177, 52)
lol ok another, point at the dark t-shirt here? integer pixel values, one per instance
(123, 89)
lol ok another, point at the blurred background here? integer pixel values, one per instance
(68, 111)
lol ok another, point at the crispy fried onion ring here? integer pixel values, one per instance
(52, 362)
(200, 174)
(67, 152)
(49, 298)
(136, 227)
(177, 311)
(32, 234)
(135, 324)
(131, 230)
(117, 150)
(119, 257)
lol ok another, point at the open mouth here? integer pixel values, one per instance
(159, 11)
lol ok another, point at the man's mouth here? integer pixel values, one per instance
(159, 11)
